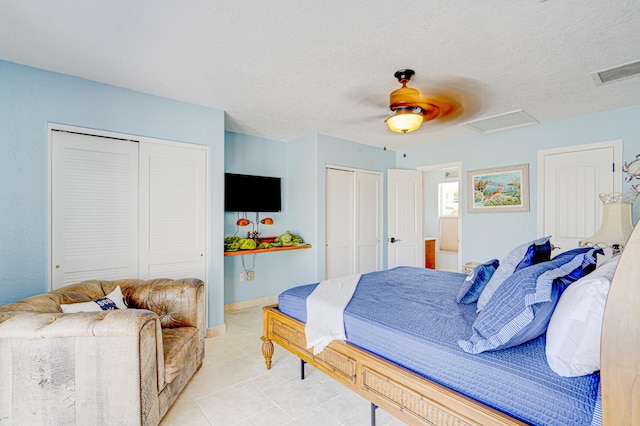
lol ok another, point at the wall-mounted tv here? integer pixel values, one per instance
(248, 193)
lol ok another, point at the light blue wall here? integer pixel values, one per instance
(31, 98)
(274, 272)
(301, 163)
(486, 235)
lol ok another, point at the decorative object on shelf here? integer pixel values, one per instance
(234, 243)
(411, 109)
(499, 189)
(633, 171)
(254, 234)
(616, 222)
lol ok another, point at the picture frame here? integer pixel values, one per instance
(498, 189)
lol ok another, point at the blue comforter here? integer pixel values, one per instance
(410, 316)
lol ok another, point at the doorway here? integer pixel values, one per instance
(442, 222)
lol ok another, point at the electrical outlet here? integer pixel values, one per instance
(241, 276)
(250, 275)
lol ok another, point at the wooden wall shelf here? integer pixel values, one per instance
(268, 250)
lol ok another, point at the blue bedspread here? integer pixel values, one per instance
(410, 316)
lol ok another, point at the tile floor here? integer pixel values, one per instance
(233, 387)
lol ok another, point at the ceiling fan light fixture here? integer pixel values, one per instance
(405, 120)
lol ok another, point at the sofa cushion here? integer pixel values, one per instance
(171, 300)
(179, 344)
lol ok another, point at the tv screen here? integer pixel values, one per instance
(247, 193)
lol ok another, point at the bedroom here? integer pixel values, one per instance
(33, 97)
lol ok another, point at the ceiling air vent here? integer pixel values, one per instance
(508, 120)
(616, 73)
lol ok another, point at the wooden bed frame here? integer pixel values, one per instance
(416, 400)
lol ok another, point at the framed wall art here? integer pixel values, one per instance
(499, 189)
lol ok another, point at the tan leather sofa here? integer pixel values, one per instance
(117, 367)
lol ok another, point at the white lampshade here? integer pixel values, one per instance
(404, 121)
(616, 221)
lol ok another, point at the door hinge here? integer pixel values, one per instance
(613, 167)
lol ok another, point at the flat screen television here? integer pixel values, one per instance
(248, 193)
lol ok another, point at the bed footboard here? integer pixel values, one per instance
(409, 397)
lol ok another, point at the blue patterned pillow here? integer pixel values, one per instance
(580, 272)
(476, 282)
(520, 309)
(520, 257)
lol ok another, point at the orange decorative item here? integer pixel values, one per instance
(267, 221)
(243, 222)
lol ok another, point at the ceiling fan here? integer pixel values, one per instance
(411, 109)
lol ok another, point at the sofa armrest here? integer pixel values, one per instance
(81, 368)
(178, 303)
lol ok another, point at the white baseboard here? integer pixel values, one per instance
(217, 331)
(238, 306)
(246, 304)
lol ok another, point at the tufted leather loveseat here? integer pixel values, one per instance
(100, 368)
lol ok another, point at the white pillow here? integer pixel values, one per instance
(113, 300)
(573, 335)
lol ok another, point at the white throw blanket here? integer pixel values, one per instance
(325, 311)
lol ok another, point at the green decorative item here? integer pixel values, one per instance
(288, 239)
(232, 243)
(247, 244)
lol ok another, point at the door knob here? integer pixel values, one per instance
(393, 240)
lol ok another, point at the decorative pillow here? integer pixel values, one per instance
(476, 282)
(520, 257)
(573, 335)
(113, 300)
(578, 273)
(520, 309)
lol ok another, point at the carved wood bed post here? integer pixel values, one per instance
(267, 351)
(620, 342)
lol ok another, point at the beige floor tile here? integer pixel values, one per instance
(298, 397)
(185, 412)
(234, 388)
(234, 404)
(271, 417)
(316, 417)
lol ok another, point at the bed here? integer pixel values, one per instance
(408, 390)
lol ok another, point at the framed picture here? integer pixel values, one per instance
(500, 189)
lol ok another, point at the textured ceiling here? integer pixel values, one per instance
(281, 69)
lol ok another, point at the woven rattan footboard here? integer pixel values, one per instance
(409, 397)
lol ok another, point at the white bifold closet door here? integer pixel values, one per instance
(172, 211)
(94, 208)
(353, 222)
(125, 209)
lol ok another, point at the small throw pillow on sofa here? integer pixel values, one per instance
(113, 300)
(573, 335)
(476, 282)
(520, 257)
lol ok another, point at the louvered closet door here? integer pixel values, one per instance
(172, 211)
(94, 208)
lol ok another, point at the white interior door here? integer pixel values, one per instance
(94, 208)
(340, 253)
(406, 243)
(172, 211)
(572, 210)
(368, 217)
